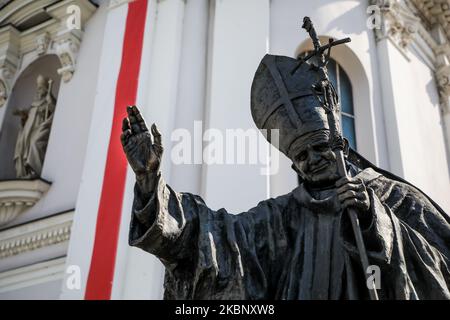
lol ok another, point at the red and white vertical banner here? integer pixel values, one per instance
(102, 264)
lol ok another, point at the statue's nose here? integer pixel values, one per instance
(314, 157)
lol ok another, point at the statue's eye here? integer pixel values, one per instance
(302, 156)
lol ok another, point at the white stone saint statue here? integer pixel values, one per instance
(34, 133)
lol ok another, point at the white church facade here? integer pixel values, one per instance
(188, 65)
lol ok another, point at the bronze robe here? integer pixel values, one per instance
(296, 246)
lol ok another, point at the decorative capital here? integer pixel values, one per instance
(42, 43)
(67, 47)
(443, 83)
(442, 71)
(3, 93)
(7, 71)
(72, 16)
(9, 59)
(398, 23)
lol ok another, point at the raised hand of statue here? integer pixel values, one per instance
(143, 154)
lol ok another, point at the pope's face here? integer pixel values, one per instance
(316, 162)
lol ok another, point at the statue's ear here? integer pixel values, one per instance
(346, 147)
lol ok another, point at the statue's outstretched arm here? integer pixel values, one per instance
(160, 215)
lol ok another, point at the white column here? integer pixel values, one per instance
(191, 89)
(139, 275)
(85, 218)
(413, 121)
(443, 81)
(446, 127)
(386, 51)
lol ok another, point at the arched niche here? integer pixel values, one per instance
(22, 95)
(364, 122)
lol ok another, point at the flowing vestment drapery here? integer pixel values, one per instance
(296, 246)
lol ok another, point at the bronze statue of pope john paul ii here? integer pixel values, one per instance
(312, 243)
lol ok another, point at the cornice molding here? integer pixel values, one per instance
(35, 235)
(435, 12)
(16, 196)
(32, 275)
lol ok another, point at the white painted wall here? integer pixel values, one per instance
(420, 133)
(239, 40)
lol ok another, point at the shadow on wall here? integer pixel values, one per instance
(21, 97)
